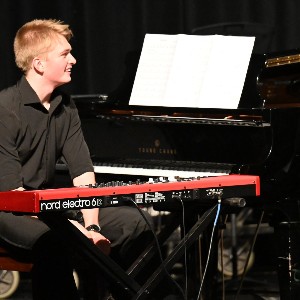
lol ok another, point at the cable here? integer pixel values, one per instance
(185, 249)
(158, 249)
(249, 254)
(209, 250)
(221, 257)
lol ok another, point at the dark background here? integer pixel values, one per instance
(108, 34)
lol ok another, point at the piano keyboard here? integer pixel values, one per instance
(153, 168)
(155, 172)
(156, 168)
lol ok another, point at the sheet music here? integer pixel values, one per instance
(153, 70)
(192, 71)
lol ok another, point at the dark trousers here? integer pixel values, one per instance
(30, 239)
(129, 234)
(52, 274)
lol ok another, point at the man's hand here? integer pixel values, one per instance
(97, 238)
(91, 216)
(19, 189)
(100, 241)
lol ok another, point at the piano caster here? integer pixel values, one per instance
(9, 282)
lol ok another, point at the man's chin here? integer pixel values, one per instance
(68, 78)
(65, 80)
(62, 83)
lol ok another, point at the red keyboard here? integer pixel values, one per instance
(36, 201)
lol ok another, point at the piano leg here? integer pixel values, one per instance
(288, 237)
(286, 223)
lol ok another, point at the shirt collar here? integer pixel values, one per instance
(30, 97)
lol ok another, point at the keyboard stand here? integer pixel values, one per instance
(112, 271)
(192, 235)
(108, 268)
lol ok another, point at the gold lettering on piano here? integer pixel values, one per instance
(147, 150)
(166, 151)
(156, 149)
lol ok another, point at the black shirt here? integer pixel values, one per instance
(32, 138)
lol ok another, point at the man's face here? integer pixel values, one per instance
(59, 62)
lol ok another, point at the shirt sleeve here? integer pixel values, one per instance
(75, 150)
(10, 170)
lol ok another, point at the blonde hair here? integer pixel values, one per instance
(35, 38)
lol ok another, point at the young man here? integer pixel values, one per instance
(38, 125)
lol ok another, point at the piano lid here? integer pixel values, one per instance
(272, 81)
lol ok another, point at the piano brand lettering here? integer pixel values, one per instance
(156, 149)
(47, 205)
(153, 150)
(70, 204)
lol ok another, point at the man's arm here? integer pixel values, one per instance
(85, 179)
(91, 216)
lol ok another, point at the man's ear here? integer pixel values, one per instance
(38, 64)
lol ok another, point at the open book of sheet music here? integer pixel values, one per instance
(192, 71)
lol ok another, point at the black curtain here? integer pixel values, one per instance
(108, 34)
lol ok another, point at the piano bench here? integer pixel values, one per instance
(7, 262)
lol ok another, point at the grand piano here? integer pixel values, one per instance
(260, 137)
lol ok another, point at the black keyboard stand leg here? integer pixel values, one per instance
(124, 282)
(139, 267)
(104, 264)
(206, 219)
